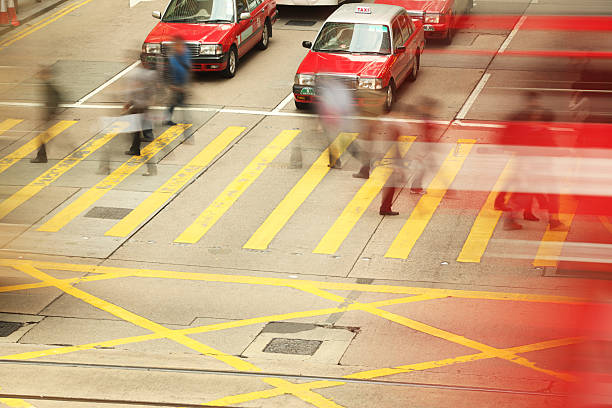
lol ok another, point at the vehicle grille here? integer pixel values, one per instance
(192, 47)
(349, 81)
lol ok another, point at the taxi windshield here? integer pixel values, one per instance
(200, 11)
(353, 38)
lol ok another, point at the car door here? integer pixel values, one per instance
(401, 62)
(410, 43)
(245, 27)
(258, 19)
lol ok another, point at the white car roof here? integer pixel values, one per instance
(379, 13)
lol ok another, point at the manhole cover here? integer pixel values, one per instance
(8, 328)
(301, 23)
(293, 346)
(108, 213)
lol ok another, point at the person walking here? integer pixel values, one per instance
(51, 107)
(179, 70)
(141, 88)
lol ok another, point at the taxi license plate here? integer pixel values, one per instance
(428, 27)
(307, 91)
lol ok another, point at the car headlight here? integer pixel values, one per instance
(211, 49)
(369, 83)
(305, 79)
(151, 48)
(432, 18)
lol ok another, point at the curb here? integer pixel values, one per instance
(5, 30)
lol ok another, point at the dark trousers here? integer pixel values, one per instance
(178, 99)
(387, 198)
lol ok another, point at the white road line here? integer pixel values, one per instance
(470, 101)
(513, 33)
(283, 103)
(554, 89)
(107, 83)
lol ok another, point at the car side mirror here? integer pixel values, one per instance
(156, 14)
(307, 44)
(400, 50)
(244, 16)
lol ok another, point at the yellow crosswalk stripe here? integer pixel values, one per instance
(57, 171)
(9, 124)
(34, 144)
(427, 205)
(484, 224)
(234, 190)
(160, 196)
(92, 195)
(552, 241)
(298, 194)
(335, 236)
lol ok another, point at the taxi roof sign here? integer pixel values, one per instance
(363, 10)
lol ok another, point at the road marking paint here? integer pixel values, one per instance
(426, 206)
(569, 90)
(335, 236)
(513, 33)
(231, 360)
(34, 144)
(16, 403)
(297, 195)
(283, 103)
(551, 245)
(107, 83)
(484, 225)
(253, 280)
(171, 187)
(41, 24)
(236, 188)
(7, 124)
(55, 172)
(59, 220)
(473, 96)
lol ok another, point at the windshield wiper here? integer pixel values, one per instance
(371, 52)
(214, 21)
(332, 50)
(181, 20)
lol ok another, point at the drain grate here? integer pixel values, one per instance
(108, 213)
(8, 328)
(293, 346)
(301, 23)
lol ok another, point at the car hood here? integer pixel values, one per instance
(207, 33)
(323, 62)
(430, 6)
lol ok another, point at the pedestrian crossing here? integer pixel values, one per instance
(399, 247)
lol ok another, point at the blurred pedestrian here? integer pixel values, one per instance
(424, 164)
(51, 100)
(179, 71)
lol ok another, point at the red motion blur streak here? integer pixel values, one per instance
(526, 53)
(540, 23)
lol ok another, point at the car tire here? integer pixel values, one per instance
(302, 105)
(415, 68)
(232, 63)
(390, 98)
(265, 36)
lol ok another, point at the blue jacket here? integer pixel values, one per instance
(180, 66)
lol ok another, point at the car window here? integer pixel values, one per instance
(253, 4)
(398, 39)
(353, 38)
(241, 6)
(200, 11)
(406, 27)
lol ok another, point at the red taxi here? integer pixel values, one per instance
(438, 16)
(372, 49)
(217, 32)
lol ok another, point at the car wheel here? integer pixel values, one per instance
(232, 63)
(415, 68)
(265, 36)
(302, 105)
(390, 98)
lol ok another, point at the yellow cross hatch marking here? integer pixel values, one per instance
(70, 212)
(424, 210)
(298, 194)
(335, 236)
(236, 188)
(34, 144)
(8, 124)
(160, 196)
(55, 172)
